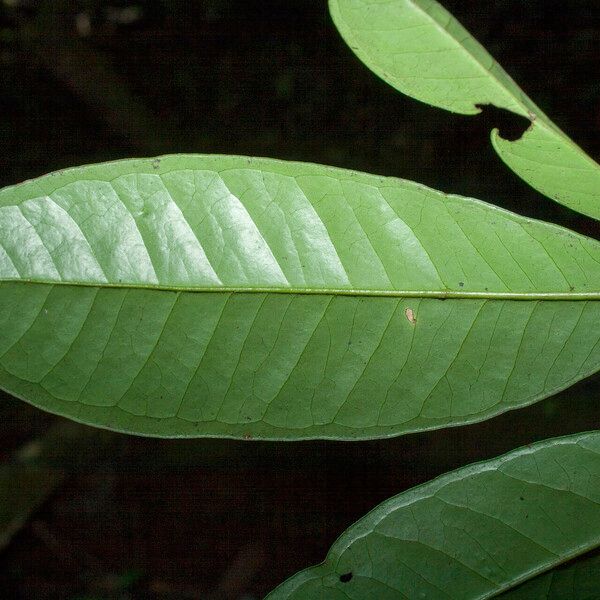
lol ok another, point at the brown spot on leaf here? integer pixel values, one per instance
(410, 315)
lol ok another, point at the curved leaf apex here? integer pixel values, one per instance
(561, 171)
(420, 49)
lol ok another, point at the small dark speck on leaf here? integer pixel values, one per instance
(247, 436)
(521, 498)
(461, 283)
(156, 163)
(346, 577)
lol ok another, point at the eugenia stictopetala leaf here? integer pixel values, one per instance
(229, 296)
(476, 533)
(420, 49)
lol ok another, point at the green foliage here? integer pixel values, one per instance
(191, 295)
(419, 48)
(237, 297)
(474, 533)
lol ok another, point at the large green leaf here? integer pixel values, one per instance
(419, 48)
(471, 534)
(228, 296)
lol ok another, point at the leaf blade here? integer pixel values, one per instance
(361, 307)
(470, 534)
(420, 49)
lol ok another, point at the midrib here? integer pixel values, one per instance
(435, 294)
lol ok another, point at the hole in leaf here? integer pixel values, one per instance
(346, 577)
(510, 125)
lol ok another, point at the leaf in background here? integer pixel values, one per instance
(23, 489)
(227, 296)
(27, 481)
(471, 534)
(420, 49)
(578, 580)
(41, 466)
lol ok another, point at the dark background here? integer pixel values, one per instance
(91, 80)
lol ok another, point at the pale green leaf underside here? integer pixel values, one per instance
(420, 49)
(471, 534)
(227, 296)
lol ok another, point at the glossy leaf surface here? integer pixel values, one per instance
(471, 534)
(229, 296)
(419, 48)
